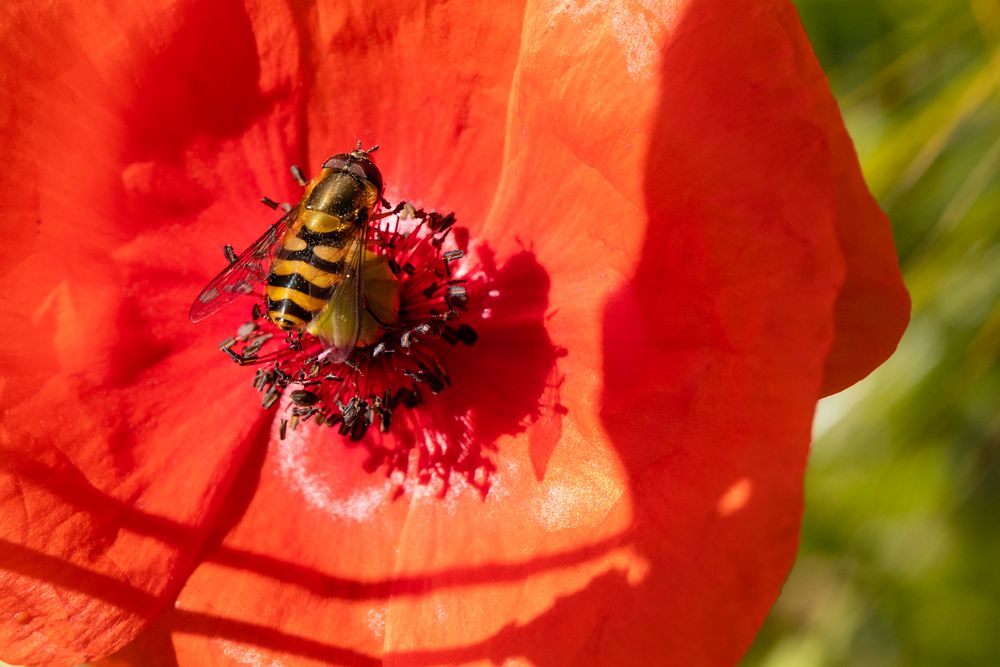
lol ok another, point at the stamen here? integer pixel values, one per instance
(393, 370)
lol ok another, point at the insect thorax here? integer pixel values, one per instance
(340, 194)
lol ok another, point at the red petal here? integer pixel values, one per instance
(118, 449)
(429, 84)
(681, 177)
(678, 171)
(873, 306)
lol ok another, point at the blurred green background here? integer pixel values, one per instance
(900, 557)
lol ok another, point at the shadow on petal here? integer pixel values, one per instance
(63, 573)
(205, 82)
(508, 382)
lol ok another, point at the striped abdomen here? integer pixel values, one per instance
(307, 268)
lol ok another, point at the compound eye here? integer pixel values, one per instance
(359, 166)
(339, 161)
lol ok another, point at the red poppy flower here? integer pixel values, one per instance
(682, 256)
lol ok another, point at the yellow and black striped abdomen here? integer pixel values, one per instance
(307, 268)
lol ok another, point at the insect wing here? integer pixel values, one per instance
(338, 325)
(250, 269)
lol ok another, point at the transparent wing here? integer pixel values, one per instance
(250, 269)
(338, 325)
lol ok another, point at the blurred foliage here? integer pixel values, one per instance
(900, 557)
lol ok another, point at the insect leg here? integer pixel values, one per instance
(273, 205)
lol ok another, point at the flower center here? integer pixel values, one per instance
(413, 302)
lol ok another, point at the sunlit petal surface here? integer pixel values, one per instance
(678, 234)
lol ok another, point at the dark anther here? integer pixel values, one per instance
(349, 412)
(409, 268)
(467, 334)
(254, 346)
(438, 241)
(256, 311)
(297, 175)
(228, 343)
(304, 397)
(416, 397)
(270, 203)
(439, 223)
(434, 382)
(405, 396)
(263, 378)
(449, 257)
(230, 254)
(245, 330)
(429, 292)
(271, 397)
(358, 430)
(284, 428)
(394, 267)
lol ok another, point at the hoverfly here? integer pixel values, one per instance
(311, 260)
